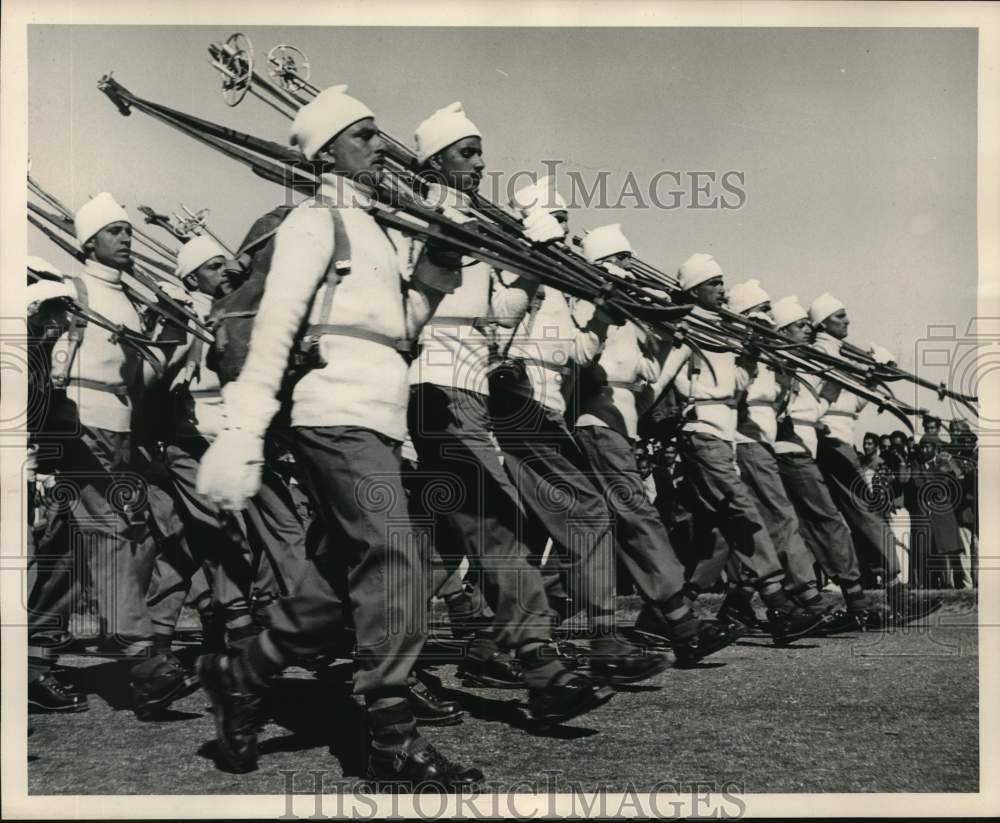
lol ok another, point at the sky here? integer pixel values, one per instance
(857, 147)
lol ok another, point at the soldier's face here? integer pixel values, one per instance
(798, 331)
(461, 164)
(112, 245)
(358, 152)
(209, 275)
(711, 294)
(836, 324)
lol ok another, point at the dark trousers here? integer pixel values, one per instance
(873, 540)
(103, 504)
(463, 492)
(824, 529)
(724, 500)
(759, 471)
(553, 479)
(644, 547)
(367, 563)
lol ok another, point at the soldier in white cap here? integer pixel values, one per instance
(336, 269)
(823, 528)
(98, 381)
(838, 460)
(606, 429)
(548, 468)
(757, 430)
(707, 444)
(249, 558)
(449, 424)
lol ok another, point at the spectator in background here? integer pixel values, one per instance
(884, 444)
(674, 504)
(890, 479)
(931, 425)
(964, 452)
(934, 494)
(869, 458)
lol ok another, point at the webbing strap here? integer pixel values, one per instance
(59, 373)
(403, 345)
(118, 389)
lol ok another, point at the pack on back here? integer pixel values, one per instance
(233, 315)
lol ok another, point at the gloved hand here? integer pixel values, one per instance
(177, 294)
(44, 290)
(541, 227)
(882, 355)
(230, 472)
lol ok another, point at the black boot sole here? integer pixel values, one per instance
(593, 700)
(624, 679)
(685, 662)
(151, 709)
(809, 631)
(907, 618)
(237, 763)
(444, 720)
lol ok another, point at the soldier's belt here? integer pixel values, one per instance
(117, 389)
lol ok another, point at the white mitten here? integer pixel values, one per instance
(649, 370)
(44, 290)
(882, 355)
(230, 471)
(177, 294)
(542, 227)
(617, 270)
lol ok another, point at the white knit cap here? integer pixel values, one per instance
(745, 296)
(541, 195)
(441, 129)
(41, 265)
(605, 241)
(786, 311)
(196, 251)
(698, 268)
(95, 214)
(823, 306)
(324, 117)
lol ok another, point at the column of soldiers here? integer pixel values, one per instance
(524, 402)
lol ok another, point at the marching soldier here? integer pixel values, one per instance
(448, 421)
(826, 533)
(547, 466)
(348, 421)
(707, 448)
(98, 381)
(606, 429)
(757, 430)
(839, 463)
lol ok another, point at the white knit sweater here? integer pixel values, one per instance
(362, 383)
(712, 398)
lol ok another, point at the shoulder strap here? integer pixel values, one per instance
(533, 307)
(340, 263)
(77, 326)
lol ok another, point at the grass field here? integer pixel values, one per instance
(894, 712)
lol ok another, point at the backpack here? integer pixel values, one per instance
(233, 315)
